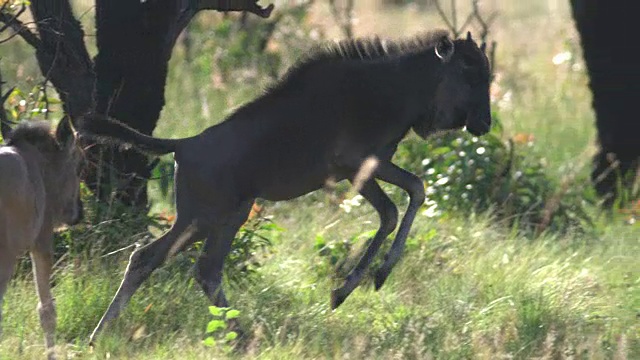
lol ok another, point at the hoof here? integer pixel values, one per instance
(381, 277)
(337, 298)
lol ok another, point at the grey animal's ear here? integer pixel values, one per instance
(444, 49)
(65, 134)
(469, 36)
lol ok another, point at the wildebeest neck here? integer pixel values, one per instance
(419, 75)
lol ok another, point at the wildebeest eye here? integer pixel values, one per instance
(467, 62)
(470, 70)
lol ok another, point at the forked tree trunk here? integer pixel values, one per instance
(612, 55)
(134, 45)
(135, 40)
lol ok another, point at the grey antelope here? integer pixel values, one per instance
(39, 191)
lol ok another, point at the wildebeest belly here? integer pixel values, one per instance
(285, 180)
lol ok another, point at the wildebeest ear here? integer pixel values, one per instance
(65, 135)
(444, 49)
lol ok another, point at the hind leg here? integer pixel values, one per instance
(143, 262)
(218, 244)
(7, 267)
(42, 259)
(388, 213)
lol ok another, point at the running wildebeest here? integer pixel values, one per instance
(342, 106)
(39, 191)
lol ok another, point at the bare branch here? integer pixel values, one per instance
(187, 11)
(484, 32)
(234, 5)
(5, 123)
(3, 11)
(484, 24)
(344, 18)
(466, 23)
(445, 18)
(451, 21)
(19, 28)
(454, 17)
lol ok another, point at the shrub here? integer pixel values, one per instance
(463, 174)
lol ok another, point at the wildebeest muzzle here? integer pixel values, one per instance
(479, 123)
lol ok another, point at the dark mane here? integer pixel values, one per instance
(36, 133)
(360, 49)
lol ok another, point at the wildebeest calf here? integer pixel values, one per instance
(39, 190)
(345, 104)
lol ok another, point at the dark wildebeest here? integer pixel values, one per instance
(39, 191)
(333, 111)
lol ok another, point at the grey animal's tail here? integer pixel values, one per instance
(104, 129)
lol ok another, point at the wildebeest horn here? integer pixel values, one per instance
(444, 49)
(64, 132)
(469, 36)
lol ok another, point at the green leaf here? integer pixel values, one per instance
(210, 342)
(215, 311)
(214, 325)
(232, 314)
(441, 151)
(320, 242)
(231, 335)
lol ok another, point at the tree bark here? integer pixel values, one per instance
(62, 55)
(611, 53)
(135, 41)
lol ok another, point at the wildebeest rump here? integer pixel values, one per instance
(332, 111)
(39, 190)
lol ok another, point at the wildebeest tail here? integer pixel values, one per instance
(105, 129)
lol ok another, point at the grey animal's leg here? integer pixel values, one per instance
(218, 244)
(42, 258)
(143, 262)
(388, 213)
(7, 266)
(412, 184)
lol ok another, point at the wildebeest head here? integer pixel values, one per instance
(462, 93)
(68, 161)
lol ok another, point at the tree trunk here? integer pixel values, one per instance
(62, 55)
(611, 52)
(135, 41)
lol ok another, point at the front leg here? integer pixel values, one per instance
(410, 183)
(7, 266)
(388, 213)
(42, 259)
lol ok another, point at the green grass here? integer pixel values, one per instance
(469, 291)
(466, 288)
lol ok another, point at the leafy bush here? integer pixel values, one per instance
(464, 174)
(23, 106)
(333, 254)
(124, 227)
(242, 47)
(254, 236)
